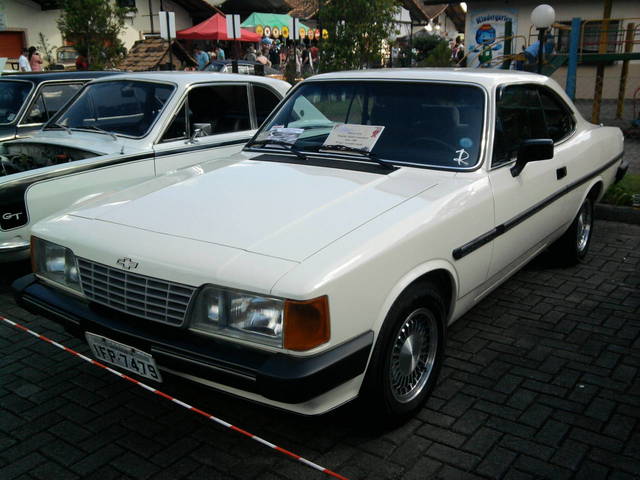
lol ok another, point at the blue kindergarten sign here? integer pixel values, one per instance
(484, 35)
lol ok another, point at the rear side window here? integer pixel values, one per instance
(558, 117)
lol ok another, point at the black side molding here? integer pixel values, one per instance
(487, 237)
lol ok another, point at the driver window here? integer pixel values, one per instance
(212, 110)
(37, 113)
(219, 109)
(50, 99)
(519, 117)
(178, 128)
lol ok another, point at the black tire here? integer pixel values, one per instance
(572, 247)
(416, 318)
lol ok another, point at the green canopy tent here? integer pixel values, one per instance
(269, 20)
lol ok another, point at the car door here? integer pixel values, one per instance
(529, 207)
(50, 98)
(213, 121)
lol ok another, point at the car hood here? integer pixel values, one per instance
(95, 142)
(283, 210)
(7, 132)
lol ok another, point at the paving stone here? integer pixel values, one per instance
(570, 455)
(540, 381)
(22, 466)
(453, 456)
(496, 463)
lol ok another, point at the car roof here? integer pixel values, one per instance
(483, 76)
(39, 77)
(185, 79)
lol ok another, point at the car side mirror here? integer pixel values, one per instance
(532, 150)
(200, 130)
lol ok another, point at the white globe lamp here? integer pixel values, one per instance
(543, 16)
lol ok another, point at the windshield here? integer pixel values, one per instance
(12, 97)
(122, 107)
(428, 124)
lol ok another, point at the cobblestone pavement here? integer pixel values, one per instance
(540, 381)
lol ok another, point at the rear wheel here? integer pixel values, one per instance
(573, 246)
(408, 353)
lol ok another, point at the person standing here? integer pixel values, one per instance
(251, 54)
(263, 57)
(220, 53)
(201, 57)
(81, 60)
(35, 60)
(23, 61)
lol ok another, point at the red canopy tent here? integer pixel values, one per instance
(215, 28)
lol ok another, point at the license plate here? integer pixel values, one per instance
(123, 356)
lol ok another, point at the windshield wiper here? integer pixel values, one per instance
(280, 143)
(361, 151)
(57, 125)
(98, 129)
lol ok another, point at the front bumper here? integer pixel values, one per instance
(275, 376)
(13, 251)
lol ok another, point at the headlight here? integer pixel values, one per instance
(294, 325)
(55, 262)
(240, 315)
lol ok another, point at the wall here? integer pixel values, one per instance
(27, 16)
(565, 11)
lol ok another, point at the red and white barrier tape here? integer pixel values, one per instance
(175, 400)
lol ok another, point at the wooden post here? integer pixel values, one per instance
(628, 48)
(508, 34)
(602, 48)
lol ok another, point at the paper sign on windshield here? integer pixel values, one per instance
(362, 137)
(284, 134)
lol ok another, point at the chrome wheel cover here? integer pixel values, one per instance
(413, 355)
(583, 231)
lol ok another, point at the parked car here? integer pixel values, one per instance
(122, 130)
(245, 67)
(29, 100)
(327, 260)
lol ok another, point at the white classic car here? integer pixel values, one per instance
(326, 261)
(122, 130)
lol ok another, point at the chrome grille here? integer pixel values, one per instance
(145, 297)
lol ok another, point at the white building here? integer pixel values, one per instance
(21, 21)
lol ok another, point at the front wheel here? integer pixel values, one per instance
(572, 247)
(408, 354)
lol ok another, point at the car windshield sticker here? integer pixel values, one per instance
(362, 137)
(284, 134)
(11, 116)
(466, 142)
(462, 156)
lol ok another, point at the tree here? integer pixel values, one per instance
(47, 50)
(425, 42)
(440, 56)
(94, 27)
(356, 29)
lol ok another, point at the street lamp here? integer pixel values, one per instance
(542, 17)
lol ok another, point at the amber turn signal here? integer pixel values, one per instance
(306, 323)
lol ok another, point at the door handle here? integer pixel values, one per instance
(561, 172)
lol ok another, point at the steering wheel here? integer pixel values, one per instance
(448, 151)
(437, 141)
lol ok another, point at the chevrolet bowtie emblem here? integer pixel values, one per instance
(127, 263)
